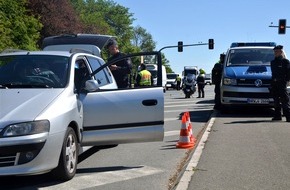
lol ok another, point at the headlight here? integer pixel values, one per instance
(28, 128)
(228, 81)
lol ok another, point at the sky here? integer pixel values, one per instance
(194, 22)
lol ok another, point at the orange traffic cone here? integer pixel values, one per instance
(184, 138)
(189, 126)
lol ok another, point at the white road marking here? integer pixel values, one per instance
(171, 133)
(102, 178)
(190, 168)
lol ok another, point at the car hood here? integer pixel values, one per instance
(24, 104)
(249, 72)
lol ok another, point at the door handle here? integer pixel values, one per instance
(152, 102)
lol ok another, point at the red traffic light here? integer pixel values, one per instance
(282, 26)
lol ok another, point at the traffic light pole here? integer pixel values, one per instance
(281, 27)
(278, 26)
(200, 44)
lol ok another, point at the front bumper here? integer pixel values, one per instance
(232, 95)
(27, 155)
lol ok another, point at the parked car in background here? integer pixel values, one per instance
(56, 103)
(208, 79)
(171, 80)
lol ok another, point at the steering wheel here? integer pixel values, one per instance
(42, 80)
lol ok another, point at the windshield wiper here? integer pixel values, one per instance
(3, 86)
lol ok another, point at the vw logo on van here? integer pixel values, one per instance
(258, 82)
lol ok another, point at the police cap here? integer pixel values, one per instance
(278, 47)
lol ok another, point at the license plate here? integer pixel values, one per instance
(258, 101)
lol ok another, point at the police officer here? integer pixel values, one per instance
(121, 69)
(216, 77)
(178, 82)
(144, 77)
(280, 67)
(200, 84)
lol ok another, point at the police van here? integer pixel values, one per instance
(247, 74)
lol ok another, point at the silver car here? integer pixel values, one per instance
(54, 104)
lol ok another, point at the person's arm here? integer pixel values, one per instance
(125, 67)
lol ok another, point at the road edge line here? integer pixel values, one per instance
(191, 167)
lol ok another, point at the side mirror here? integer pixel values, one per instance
(91, 85)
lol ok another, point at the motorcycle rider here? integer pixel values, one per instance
(189, 85)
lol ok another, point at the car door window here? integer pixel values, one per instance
(103, 77)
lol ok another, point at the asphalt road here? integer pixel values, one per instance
(154, 166)
(244, 150)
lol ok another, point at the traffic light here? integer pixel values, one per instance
(180, 46)
(282, 26)
(210, 44)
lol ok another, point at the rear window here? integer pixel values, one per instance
(250, 57)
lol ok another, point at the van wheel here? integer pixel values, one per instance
(68, 160)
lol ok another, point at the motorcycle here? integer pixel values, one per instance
(189, 85)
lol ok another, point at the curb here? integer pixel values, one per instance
(191, 166)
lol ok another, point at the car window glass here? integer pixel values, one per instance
(82, 73)
(33, 71)
(103, 77)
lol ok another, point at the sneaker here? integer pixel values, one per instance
(277, 118)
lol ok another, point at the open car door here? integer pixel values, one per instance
(128, 115)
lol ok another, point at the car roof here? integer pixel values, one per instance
(252, 47)
(58, 53)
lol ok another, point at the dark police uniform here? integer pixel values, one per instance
(216, 77)
(200, 85)
(280, 75)
(124, 68)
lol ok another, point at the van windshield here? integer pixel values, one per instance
(153, 73)
(251, 56)
(192, 71)
(171, 76)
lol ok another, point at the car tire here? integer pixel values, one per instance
(68, 160)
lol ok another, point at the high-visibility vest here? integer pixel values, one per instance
(145, 78)
(178, 79)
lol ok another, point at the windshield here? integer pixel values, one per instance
(255, 56)
(153, 73)
(192, 71)
(33, 71)
(171, 76)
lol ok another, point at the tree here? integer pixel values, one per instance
(143, 39)
(19, 29)
(57, 16)
(106, 17)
